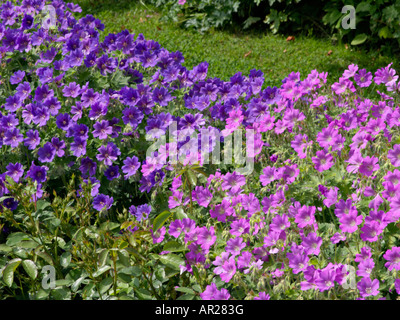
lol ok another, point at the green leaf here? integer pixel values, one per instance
(172, 260)
(173, 246)
(160, 220)
(179, 214)
(192, 177)
(8, 273)
(61, 294)
(103, 257)
(30, 268)
(77, 283)
(41, 204)
(363, 6)
(105, 284)
(359, 39)
(186, 297)
(4, 248)
(186, 290)
(15, 238)
(65, 259)
(101, 271)
(385, 33)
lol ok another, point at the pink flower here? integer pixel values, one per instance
(182, 2)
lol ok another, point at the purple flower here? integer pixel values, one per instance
(175, 228)
(108, 154)
(32, 139)
(47, 152)
(262, 296)
(13, 137)
(202, 195)
(394, 155)
(364, 255)
(87, 167)
(161, 96)
(112, 172)
(240, 227)
(280, 223)
(350, 222)
(72, 90)
(131, 165)
(102, 130)
(365, 268)
(234, 246)
(17, 77)
(370, 231)
(206, 237)
(63, 121)
(312, 243)
(10, 203)
(37, 173)
(305, 216)
(323, 161)
(15, 171)
(78, 147)
(159, 235)
(228, 269)
(102, 201)
(13, 103)
(212, 293)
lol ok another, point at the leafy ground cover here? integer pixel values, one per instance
(96, 203)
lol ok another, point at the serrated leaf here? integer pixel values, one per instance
(30, 268)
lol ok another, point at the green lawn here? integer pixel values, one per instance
(227, 52)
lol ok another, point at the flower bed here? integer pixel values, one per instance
(112, 172)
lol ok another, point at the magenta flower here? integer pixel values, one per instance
(393, 258)
(311, 243)
(305, 216)
(365, 268)
(229, 269)
(394, 155)
(364, 255)
(269, 175)
(350, 222)
(234, 246)
(331, 197)
(323, 161)
(368, 287)
(240, 226)
(370, 231)
(368, 166)
(212, 293)
(206, 237)
(363, 78)
(280, 223)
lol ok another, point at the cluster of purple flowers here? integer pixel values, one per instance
(54, 117)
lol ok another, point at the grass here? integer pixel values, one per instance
(228, 53)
